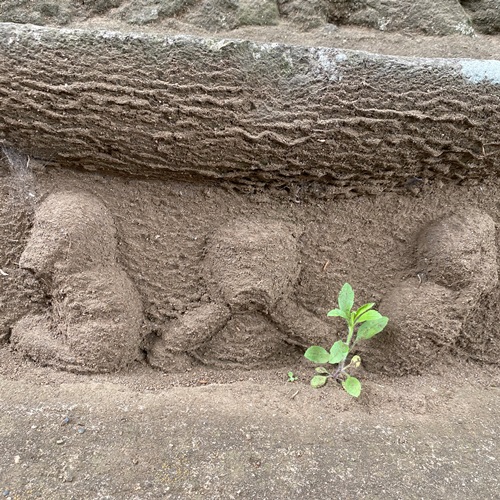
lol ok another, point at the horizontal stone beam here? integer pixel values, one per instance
(185, 107)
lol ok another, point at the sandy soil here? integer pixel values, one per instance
(143, 434)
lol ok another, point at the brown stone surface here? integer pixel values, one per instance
(178, 214)
(177, 107)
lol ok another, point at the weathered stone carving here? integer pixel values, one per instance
(251, 267)
(93, 316)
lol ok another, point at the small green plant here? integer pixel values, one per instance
(291, 377)
(366, 322)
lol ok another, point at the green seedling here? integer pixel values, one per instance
(291, 377)
(366, 322)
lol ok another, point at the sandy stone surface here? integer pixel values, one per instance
(153, 298)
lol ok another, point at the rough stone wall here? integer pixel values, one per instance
(427, 16)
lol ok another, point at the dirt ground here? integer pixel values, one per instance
(147, 327)
(143, 434)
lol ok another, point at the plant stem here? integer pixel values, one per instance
(350, 326)
(350, 333)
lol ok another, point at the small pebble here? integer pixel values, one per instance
(68, 477)
(17, 459)
(6, 493)
(65, 421)
(81, 430)
(60, 441)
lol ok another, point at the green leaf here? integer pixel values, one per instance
(352, 386)
(338, 352)
(322, 369)
(346, 299)
(370, 328)
(363, 309)
(317, 354)
(337, 312)
(318, 381)
(369, 316)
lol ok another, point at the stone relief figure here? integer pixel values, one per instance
(456, 268)
(93, 318)
(251, 268)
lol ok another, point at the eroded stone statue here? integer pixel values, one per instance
(251, 267)
(93, 317)
(455, 268)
